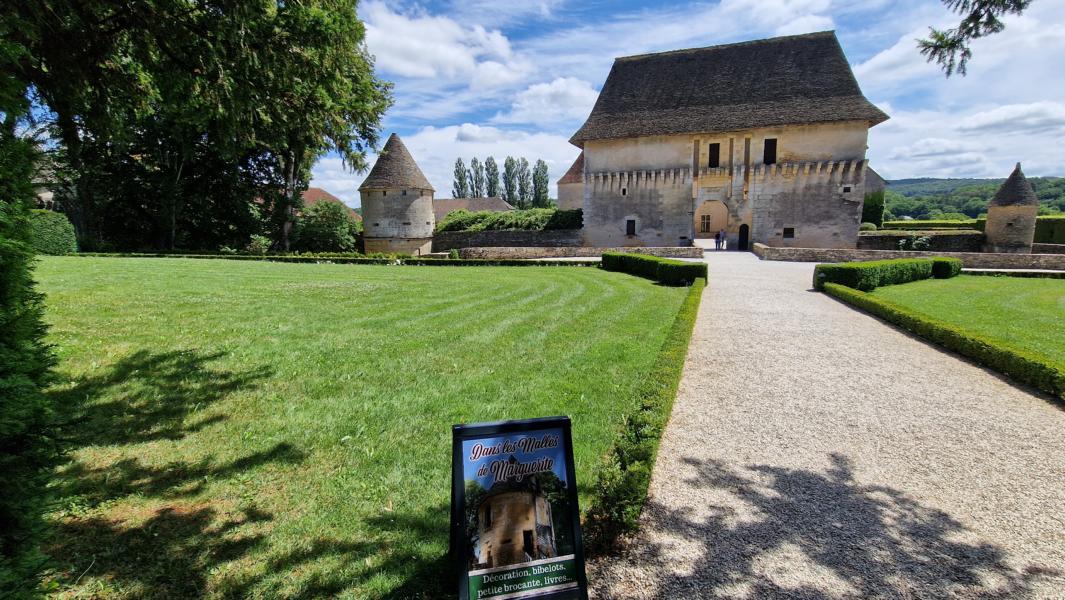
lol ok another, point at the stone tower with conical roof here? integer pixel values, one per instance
(1011, 216)
(397, 203)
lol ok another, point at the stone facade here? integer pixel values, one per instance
(681, 145)
(1011, 216)
(970, 260)
(561, 238)
(501, 253)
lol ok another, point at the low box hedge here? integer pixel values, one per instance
(356, 259)
(919, 225)
(869, 275)
(1021, 365)
(666, 271)
(945, 268)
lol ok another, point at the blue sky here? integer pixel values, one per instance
(479, 78)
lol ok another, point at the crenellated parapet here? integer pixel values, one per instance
(829, 171)
(616, 180)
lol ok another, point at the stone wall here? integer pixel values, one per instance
(1048, 248)
(447, 240)
(658, 201)
(542, 252)
(940, 241)
(971, 260)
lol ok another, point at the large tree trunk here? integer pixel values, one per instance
(292, 161)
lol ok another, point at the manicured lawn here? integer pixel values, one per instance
(1027, 314)
(283, 430)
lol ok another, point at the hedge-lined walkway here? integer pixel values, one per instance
(816, 452)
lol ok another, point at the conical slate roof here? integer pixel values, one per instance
(1016, 191)
(395, 168)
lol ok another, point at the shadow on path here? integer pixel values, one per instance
(876, 541)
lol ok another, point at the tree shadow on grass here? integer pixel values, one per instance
(146, 397)
(791, 533)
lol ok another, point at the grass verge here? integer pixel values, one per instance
(621, 487)
(1023, 365)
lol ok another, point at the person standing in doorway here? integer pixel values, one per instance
(721, 236)
(717, 241)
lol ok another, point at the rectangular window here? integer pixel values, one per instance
(715, 156)
(527, 542)
(789, 232)
(630, 227)
(769, 155)
(704, 223)
(487, 516)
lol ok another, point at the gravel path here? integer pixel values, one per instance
(816, 452)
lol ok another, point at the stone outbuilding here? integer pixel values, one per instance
(1011, 216)
(765, 140)
(514, 524)
(397, 203)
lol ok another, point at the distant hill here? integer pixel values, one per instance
(928, 198)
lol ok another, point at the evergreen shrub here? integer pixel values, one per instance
(663, 270)
(51, 233)
(868, 276)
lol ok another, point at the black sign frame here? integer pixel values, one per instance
(459, 546)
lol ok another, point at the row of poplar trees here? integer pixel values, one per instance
(165, 123)
(519, 186)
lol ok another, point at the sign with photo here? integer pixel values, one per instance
(515, 524)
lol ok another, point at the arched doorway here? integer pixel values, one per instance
(745, 234)
(710, 218)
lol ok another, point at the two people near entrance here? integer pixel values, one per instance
(719, 240)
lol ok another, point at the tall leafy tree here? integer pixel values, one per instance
(476, 178)
(950, 47)
(510, 181)
(460, 187)
(491, 176)
(524, 183)
(540, 183)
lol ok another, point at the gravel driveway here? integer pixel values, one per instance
(816, 452)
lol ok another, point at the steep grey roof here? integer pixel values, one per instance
(1015, 191)
(789, 80)
(576, 171)
(395, 168)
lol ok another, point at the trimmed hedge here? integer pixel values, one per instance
(51, 233)
(1050, 229)
(945, 268)
(920, 225)
(1019, 364)
(663, 270)
(533, 219)
(363, 260)
(867, 276)
(621, 484)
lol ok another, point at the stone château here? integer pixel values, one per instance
(765, 140)
(397, 203)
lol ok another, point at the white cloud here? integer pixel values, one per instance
(330, 174)
(564, 99)
(1011, 119)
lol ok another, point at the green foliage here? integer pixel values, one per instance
(259, 244)
(1024, 366)
(28, 444)
(621, 484)
(51, 233)
(491, 177)
(924, 199)
(923, 225)
(945, 268)
(1050, 230)
(663, 270)
(950, 47)
(453, 254)
(510, 182)
(460, 185)
(950, 216)
(326, 227)
(541, 181)
(867, 276)
(873, 208)
(533, 219)
(525, 196)
(867, 227)
(476, 178)
(915, 242)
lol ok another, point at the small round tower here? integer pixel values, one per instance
(1011, 216)
(397, 203)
